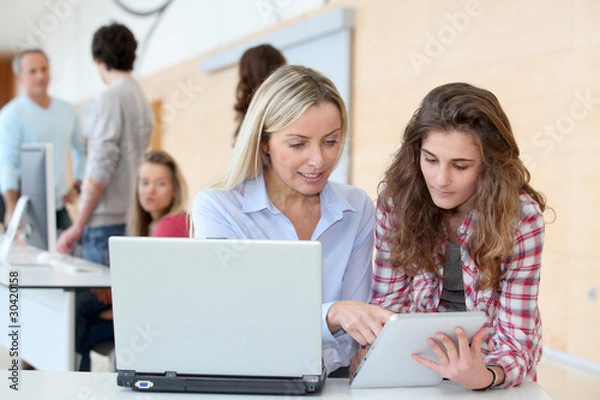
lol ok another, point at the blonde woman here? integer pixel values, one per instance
(276, 187)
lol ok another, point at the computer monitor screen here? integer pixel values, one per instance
(35, 212)
(37, 183)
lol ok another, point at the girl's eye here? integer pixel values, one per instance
(331, 143)
(295, 145)
(460, 167)
(430, 160)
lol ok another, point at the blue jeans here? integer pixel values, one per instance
(89, 328)
(95, 242)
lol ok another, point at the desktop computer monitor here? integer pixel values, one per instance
(35, 213)
(37, 183)
(2, 211)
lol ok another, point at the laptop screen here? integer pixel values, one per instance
(217, 307)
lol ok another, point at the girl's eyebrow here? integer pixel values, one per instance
(454, 159)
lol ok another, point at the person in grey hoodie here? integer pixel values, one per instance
(117, 141)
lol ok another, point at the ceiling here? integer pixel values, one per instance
(25, 21)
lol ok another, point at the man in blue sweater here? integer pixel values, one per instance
(35, 117)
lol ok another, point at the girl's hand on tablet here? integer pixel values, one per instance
(462, 364)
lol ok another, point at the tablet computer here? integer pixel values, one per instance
(389, 363)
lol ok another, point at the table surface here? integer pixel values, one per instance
(39, 306)
(97, 386)
(40, 269)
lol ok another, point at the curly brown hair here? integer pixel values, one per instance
(416, 232)
(256, 65)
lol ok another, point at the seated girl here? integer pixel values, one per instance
(160, 199)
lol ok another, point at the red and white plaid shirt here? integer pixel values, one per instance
(513, 317)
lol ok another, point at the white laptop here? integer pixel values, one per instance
(217, 315)
(389, 363)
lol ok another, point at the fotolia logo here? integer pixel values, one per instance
(447, 34)
(138, 343)
(554, 133)
(40, 28)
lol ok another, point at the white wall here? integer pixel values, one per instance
(187, 28)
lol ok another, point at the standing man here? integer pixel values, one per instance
(118, 139)
(35, 117)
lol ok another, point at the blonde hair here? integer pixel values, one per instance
(139, 219)
(282, 98)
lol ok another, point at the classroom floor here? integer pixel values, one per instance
(559, 381)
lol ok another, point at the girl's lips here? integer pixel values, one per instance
(442, 193)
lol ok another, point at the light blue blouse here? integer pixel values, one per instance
(345, 231)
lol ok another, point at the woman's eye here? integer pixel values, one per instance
(460, 167)
(430, 160)
(295, 145)
(331, 143)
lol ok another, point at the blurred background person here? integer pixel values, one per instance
(256, 65)
(35, 117)
(119, 136)
(159, 208)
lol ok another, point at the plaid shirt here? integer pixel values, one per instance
(513, 317)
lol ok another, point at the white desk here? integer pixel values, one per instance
(45, 313)
(102, 386)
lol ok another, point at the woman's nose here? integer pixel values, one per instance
(443, 176)
(316, 158)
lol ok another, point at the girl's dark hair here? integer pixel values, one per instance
(256, 65)
(115, 46)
